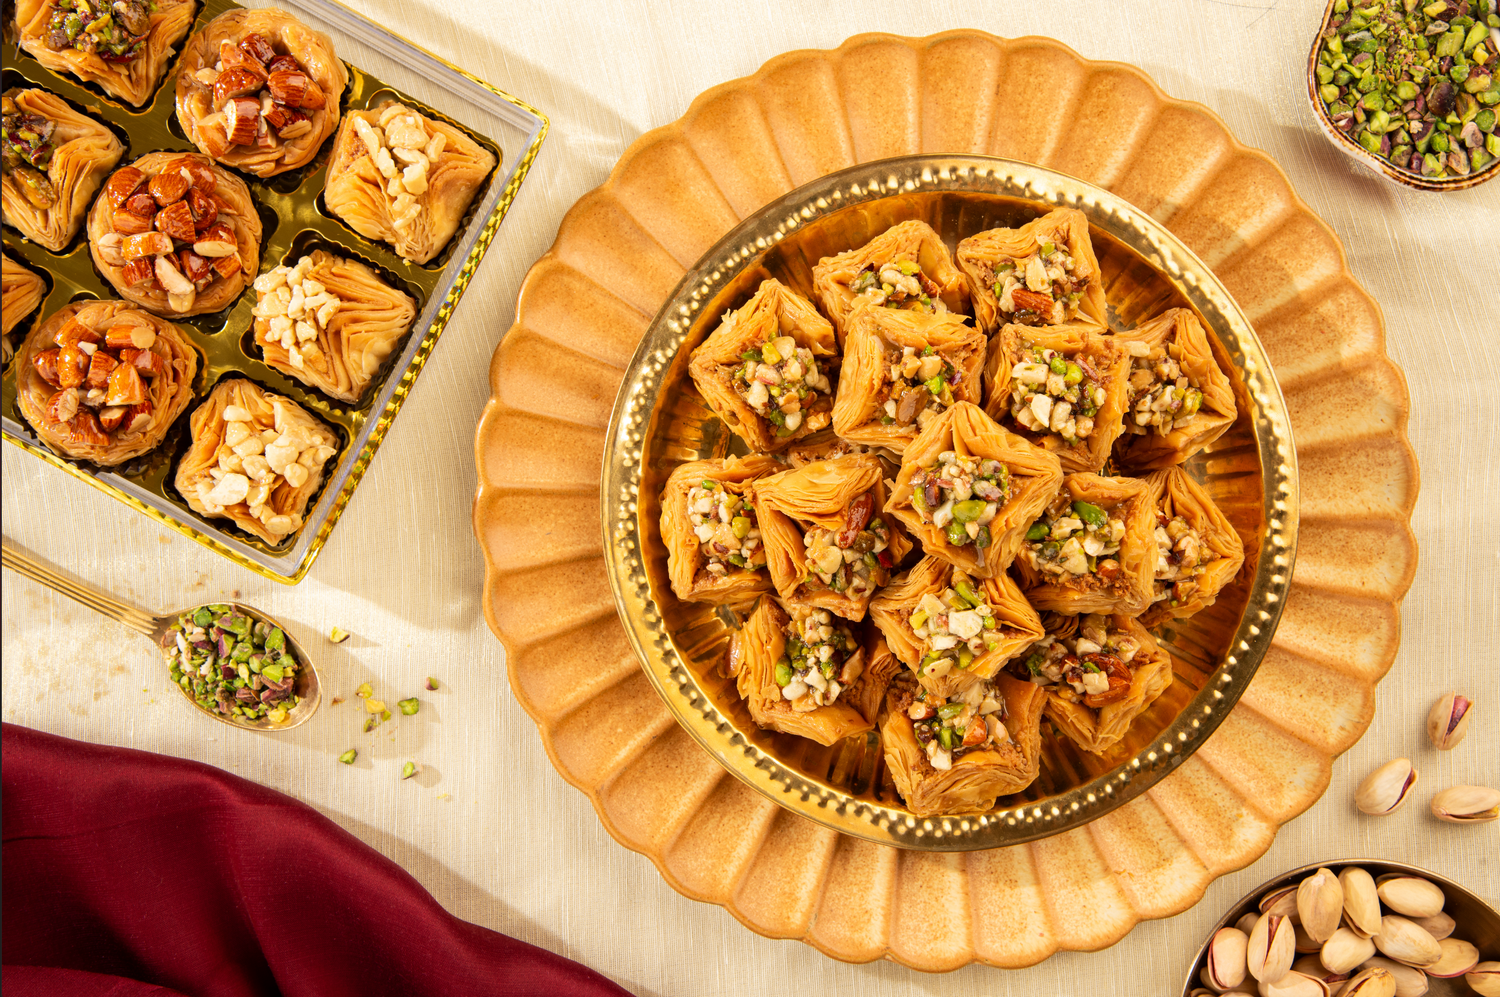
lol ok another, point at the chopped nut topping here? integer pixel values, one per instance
(727, 530)
(949, 728)
(1092, 667)
(1072, 539)
(1051, 393)
(961, 494)
(1040, 289)
(297, 307)
(403, 152)
(822, 659)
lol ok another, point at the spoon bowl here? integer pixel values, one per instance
(305, 686)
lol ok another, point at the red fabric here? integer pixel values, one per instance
(139, 875)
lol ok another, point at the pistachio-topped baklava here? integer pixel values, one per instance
(1179, 399)
(1043, 273)
(1198, 551)
(123, 46)
(1100, 672)
(53, 161)
(828, 545)
(953, 629)
(904, 268)
(716, 551)
(768, 370)
(959, 753)
(969, 489)
(1092, 549)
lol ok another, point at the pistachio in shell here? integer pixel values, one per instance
(1226, 964)
(1311, 965)
(1302, 942)
(1247, 922)
(1484, 979)
(1458, 958)
(1410, 895)
(1405, 941)
(1372, 982)
(1361, 901)
(1272, 947)
(1345, 951)
(1466, 804)
(1448, 721)
(1320, 904)
(1409, 982)
(1282, 900)
(1387, 788)
(1294, 984)
(1439, 925)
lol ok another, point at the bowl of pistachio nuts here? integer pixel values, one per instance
(1411, 88)
(1355, 928)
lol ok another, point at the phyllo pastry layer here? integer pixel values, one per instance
(21, 290)
(905, 268)
(1198, 551)
(54, 161)
(1179, 399)
(716, 552)
(1043, 273)
(1092, 549)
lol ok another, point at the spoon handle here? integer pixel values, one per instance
(23, 563)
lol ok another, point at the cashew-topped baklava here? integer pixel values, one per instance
(400, 177)
(1179, 399)
(21, 290)
(716, 552)
(1099, 672)
(53, 161)
(959, 753)
(256, 458)
(828, 544)
(904, 268)
(259, 90)
(103, 381)
(123, 46)
(793, 667)
(330, 322)
(969, 489)
(176, 234)
(768, 370)
(901, 370)
(953, 629)
(1062, 387)
(1198, 551)
(1043, 273)
(1093, 548)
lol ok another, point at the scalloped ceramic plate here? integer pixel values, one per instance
(619, 254)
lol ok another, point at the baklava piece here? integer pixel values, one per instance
(176, 234)
(969, 490)
(103, 381)
(123, 46)
(1198, 551)
(1093, 548)
(768, 369)
(259, 90)
(904, 268)
(1043, 273)
(53, 161)
(255, 458)
(400, 177)
(330, 322)
(715, 550)
(21, 290)
(1179, 399)
(1063, 388)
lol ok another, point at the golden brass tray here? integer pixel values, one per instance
(294, 222)
(659, 421)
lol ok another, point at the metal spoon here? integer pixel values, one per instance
(305, 685)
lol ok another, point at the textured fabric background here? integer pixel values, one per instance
(488, 826)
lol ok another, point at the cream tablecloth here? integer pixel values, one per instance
(488, 826)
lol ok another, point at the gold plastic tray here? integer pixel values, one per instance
(294, 222)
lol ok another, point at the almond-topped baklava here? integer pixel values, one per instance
(176, 234)
(768, 370)
(103, 381)
(1092, 549)
(1099, 672)
(400, 177)
(1062, 387)
(52, 160)
(951, 629)
(1198, 551)
(901, 370)
(21, 290)
(123, 46)
(793, 666)
(1043, 273)
(256, 458)
(959, 753)
(259, 90)
(330, 322)
(905, 268)
(716, 552)
(828, 544)
(969, 489)
(1179, 399)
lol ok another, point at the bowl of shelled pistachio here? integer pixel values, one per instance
(1411, 88)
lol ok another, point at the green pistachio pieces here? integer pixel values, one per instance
(409, 769)
(409, 707)
(348, 757)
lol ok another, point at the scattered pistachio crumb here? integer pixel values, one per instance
(409, 707)
(408, 770)
(374, 706)
(385, 714)
(432, 684)
(348, 757)
(338, 636)
(336, 700)
(371, 724)
(364, 691)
